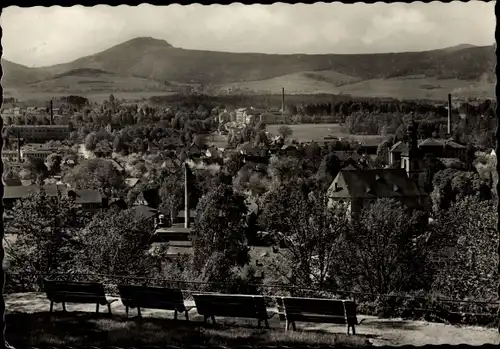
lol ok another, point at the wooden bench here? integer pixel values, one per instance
(295, 309)
(76, 292)
(239, 306)
(153, 298)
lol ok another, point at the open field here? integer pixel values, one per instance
(330, 82)
(419, 88)
(307, 82)
(93, 96)
(30, 324)
(317, 132)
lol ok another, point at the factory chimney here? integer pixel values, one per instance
(51, 112)
(18, 147)
(282, 101)
(448, 134)
(186, 195)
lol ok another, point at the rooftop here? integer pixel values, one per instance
(428, 142)
(375, 183)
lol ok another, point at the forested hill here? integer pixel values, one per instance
(158, 60)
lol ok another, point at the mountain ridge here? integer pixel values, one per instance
(158, 60)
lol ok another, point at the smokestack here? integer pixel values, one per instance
(51, 112)
(186, 196)
(282, 101)
(449, 115)
(18, 147)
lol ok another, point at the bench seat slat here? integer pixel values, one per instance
(78, 298)
(317, 318)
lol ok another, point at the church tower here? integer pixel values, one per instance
(412, 159)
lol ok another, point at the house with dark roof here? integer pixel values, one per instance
(194, 152)
(143, 213)
(131, 182)
(11, 182)
(359, 188)
(289, 150)
(14, 193)
(253, 154)
(369, 145)
(89, 199)
(436, 147)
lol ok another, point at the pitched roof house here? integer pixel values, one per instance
(88, 198)
(437, 147)
(357, 188)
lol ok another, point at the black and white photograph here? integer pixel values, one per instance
(294, 175)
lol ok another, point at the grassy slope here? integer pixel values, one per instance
(76, 328)
(95, 96)
(16, 74)
(334, 83)
(303, 82)
(96, 85)
(297, 83)
(100, 82)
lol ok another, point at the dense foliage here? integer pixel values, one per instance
(275, 200)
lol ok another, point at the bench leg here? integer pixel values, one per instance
(139, 312)
(187, 314)
(97, 308)
(126, 310)
(64, 306)
(51, 306)
(175, 314)
(213, 319)
(109, 308)
(293, 326)
(349, 326)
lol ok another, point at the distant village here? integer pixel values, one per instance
(46, 131)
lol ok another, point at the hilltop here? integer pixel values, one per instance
(157, 60)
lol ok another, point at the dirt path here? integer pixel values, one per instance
(379, 331)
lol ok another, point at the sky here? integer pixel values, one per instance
(42, 36)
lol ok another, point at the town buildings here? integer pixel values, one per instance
(436, 147)
(89, 199)
(39, 133)
(253, 115)
(358, 188)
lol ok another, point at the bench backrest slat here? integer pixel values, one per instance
(350, 308)
(78, 292)
(151, 297)
(303, 307)
(314, 306)
(245, 306)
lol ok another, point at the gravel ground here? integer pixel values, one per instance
(379, 331)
